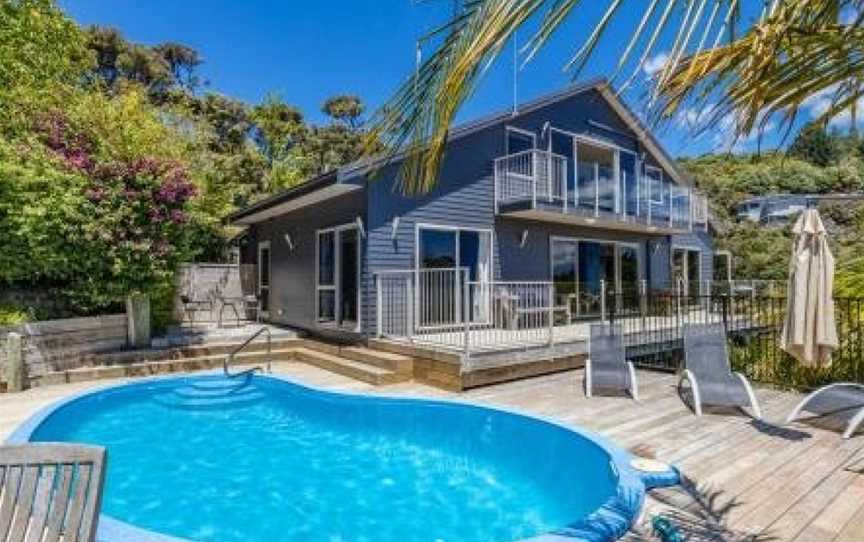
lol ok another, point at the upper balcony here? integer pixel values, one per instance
(606, 189)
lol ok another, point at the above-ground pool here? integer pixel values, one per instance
(261, 459)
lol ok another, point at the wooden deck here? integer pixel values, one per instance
(745, 480)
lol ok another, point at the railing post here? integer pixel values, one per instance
(411, 289)
(602, 300)
(596, 189)
(690, 206)
(466, 316)
(496, 180)
(533, 181)
(551, 313)
(643, 299)
(671, 190)
(379, 309)
(549, 174)
(564, 187)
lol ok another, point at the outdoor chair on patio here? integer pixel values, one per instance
(709, 374)
(843, 400)
(606, 367)
(50, 492)
(192, 306)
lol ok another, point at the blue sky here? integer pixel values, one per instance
(307, 51)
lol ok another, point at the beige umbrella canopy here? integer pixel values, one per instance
(810, 331)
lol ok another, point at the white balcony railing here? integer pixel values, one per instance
(531, 175)
(544, 180)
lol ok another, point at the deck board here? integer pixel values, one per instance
(744, 480)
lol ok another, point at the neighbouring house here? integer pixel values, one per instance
(536, 215)
(782, 209)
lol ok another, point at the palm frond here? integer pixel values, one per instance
(795, 50)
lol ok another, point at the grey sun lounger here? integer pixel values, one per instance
(606, 366)
(709, 374)
(844, 400)
(50, 492)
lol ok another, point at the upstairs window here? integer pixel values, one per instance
(519, 140)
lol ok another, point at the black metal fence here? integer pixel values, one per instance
(653, 323)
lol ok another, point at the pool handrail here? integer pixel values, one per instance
(229, 359)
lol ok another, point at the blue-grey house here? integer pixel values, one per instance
(537, 213)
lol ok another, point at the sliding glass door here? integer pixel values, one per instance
(686, 270)
(446, 256)
(581, 267)
(338, 277)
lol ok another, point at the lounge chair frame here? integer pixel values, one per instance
(856, 420)
(691, 377)
(633, 389)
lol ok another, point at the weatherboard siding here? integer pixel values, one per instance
(292, 273)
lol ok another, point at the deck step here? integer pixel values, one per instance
(348, 367)
(397, 363)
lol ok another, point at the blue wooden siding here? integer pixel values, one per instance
(464, 197)
(292, 273)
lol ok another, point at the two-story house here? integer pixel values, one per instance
(537, 215)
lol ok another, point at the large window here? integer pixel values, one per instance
(326, 276)
(264, 277)
(687, 270)
(443, 256)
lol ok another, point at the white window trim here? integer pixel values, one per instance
(521, 131)
(616, 245)
(447, 227)
(261, 247)
(337, 278)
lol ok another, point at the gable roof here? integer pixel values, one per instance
(364, 165)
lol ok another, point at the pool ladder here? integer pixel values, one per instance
(229, 359)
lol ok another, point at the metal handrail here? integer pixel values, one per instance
(230, 357)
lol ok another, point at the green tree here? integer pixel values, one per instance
(346, 109)
(813, 144)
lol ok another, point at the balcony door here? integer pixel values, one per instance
(687, 270)
(337, 301)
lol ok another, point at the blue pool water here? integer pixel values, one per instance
(261, 460)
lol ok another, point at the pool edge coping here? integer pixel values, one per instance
(605, 524)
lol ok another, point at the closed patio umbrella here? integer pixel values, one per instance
(810, 330)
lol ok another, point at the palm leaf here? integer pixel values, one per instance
(796, 50)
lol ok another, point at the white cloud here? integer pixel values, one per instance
(721, 134)
(655, 63)
(817, 104)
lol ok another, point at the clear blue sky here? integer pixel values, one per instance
(307, 51)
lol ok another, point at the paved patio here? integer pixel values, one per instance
(745, 480)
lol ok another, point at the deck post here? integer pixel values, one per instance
(643, 299)
(411, 290)
(379, 306)
(15, 369)
(602, 300)
(551, 313)
(466, 318)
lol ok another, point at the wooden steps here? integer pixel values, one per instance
(358, 362)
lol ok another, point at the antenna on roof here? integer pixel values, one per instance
(515, 74)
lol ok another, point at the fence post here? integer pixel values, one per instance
(643, 299)
(551, 311)
(14, 362)
(411, 289)
(466, 315)
(602, 300)
(379, 306)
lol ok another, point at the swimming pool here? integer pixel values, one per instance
(254, 459)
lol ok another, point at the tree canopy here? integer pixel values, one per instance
(117, 161)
